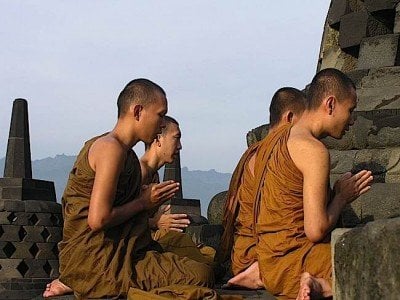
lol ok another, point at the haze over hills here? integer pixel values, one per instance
(196, 184)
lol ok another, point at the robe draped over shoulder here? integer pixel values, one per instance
(238, 239)
(283, 250)
(109, 262)
(100, 263)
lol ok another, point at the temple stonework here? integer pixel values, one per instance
(30, 219)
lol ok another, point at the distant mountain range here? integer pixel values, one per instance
(196, 184)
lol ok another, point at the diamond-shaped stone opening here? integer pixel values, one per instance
(33, 219)
(47, 268)
(34, 250)
(23, 268)
(45, 234)
(1, 267)
(54, 220)
(1, 231)
(9, 249)
(12, 217)
(22, 233)
(55, 250)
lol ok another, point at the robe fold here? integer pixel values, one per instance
(283, 250)
(108, 262)
(238, 240)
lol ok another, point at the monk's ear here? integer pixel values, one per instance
(136, 110)
(289, 117)
(158, 140)
(330, 104)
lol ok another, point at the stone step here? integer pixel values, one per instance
(380, 78)
(384, 163)
(366, 262)
(379, 51)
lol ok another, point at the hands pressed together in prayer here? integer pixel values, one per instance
(155, 194)
(349, 187)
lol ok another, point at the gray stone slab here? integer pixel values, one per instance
(209, 235)
(257, 134)
(384, 163)
(9, 268)
(381, 78)
(355, 26)
(11, 233)
(337, 9)
(42, 206)
(379, 51)
(12, 205)
(377, 5)
(357, 76)
(34, 233)
(54, 234)
(381, 202)
(367, 262)
(215, 209)
(372, 129)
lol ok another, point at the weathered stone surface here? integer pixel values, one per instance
(381, 202)
(377, 5)
(381, 78)
(209, 235)
(357, 25)
(384, 163)
(337, 9)
(372, 129)
(367, 262)
(396, 26)
(18, 159)
(379, 51)
(42, 206)
(215, 209)
(257, 134)
(172, 171)
(185, 206)
(357, 76)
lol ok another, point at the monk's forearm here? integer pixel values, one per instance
(116, 216)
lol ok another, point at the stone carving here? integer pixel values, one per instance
(30, 219)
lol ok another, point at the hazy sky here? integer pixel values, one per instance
(219, 62)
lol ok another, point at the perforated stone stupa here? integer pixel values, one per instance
(30, 219)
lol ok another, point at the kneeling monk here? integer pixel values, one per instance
(238, 240)
(294, 210)
(107, 247)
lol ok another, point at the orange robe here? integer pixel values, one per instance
(238, 240)
(109, 262)
(283, 250)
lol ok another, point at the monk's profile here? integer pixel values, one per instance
(167, 228)
(107, 248)
(294, 209)
(238, 241)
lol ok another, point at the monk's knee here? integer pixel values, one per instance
(204, 275)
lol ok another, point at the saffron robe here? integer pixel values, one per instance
(283, 250)
(108, 262)
(238, 240)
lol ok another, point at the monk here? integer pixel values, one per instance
(286, 106)
(107, 249)
(167, 228)
(162, 150)
(294, 210)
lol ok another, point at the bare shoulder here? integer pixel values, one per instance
(106, 149)
(307, 151)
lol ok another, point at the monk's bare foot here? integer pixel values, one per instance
(56, 288)
(249, 278)
(313, 288)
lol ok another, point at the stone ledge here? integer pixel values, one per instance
(367, 261)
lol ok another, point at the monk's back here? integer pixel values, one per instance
(283, 247)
